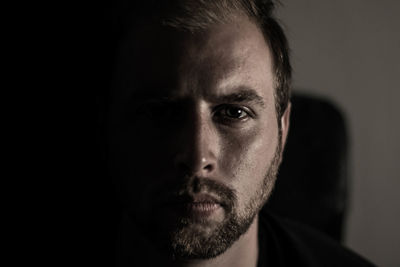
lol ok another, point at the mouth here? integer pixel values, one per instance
(199, 211)
(202, 205)
(197, 207)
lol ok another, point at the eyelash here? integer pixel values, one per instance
(220, 114)
(167, 113)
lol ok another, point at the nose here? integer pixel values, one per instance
(197, 146)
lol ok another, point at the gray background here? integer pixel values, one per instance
(348, 50)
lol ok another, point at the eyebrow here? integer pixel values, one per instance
(149, 95)
(243, 95)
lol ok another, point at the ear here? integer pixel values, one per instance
(285, 121)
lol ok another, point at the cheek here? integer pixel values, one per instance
(136, 156)
(246, 158)
(139, 168)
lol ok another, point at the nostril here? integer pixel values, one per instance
(208, 167)
(191, 168)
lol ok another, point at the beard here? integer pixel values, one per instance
(194, 239)
(178, 235)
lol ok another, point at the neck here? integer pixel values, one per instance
(244, 252)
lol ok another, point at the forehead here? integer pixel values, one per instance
(153, 59)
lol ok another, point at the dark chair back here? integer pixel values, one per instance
(312, 180)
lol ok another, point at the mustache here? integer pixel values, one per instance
(185, 190)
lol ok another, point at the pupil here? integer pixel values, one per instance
(234, 112)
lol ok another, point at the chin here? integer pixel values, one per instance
(195, 241)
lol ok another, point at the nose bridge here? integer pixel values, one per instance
(206, 137)
(198, 153)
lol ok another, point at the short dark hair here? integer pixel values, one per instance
(194, 15)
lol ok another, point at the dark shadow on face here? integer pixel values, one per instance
(193, 135)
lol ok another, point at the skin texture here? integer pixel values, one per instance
(193, 115)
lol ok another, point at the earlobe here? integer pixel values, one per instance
(285, 121)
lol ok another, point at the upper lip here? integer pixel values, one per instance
(204, 198)
(196, 198)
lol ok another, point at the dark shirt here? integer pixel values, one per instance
(286, 243)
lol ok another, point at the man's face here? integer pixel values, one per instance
(194, 140)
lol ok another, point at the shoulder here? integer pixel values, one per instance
(288, 243)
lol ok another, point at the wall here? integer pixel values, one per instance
(348, 50)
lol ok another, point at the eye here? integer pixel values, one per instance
(235, 112)
(232, 113)
(157, 112)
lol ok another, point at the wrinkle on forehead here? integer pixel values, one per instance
(213, 61)
(226, 56)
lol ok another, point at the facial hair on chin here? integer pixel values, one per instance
(186, 240)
